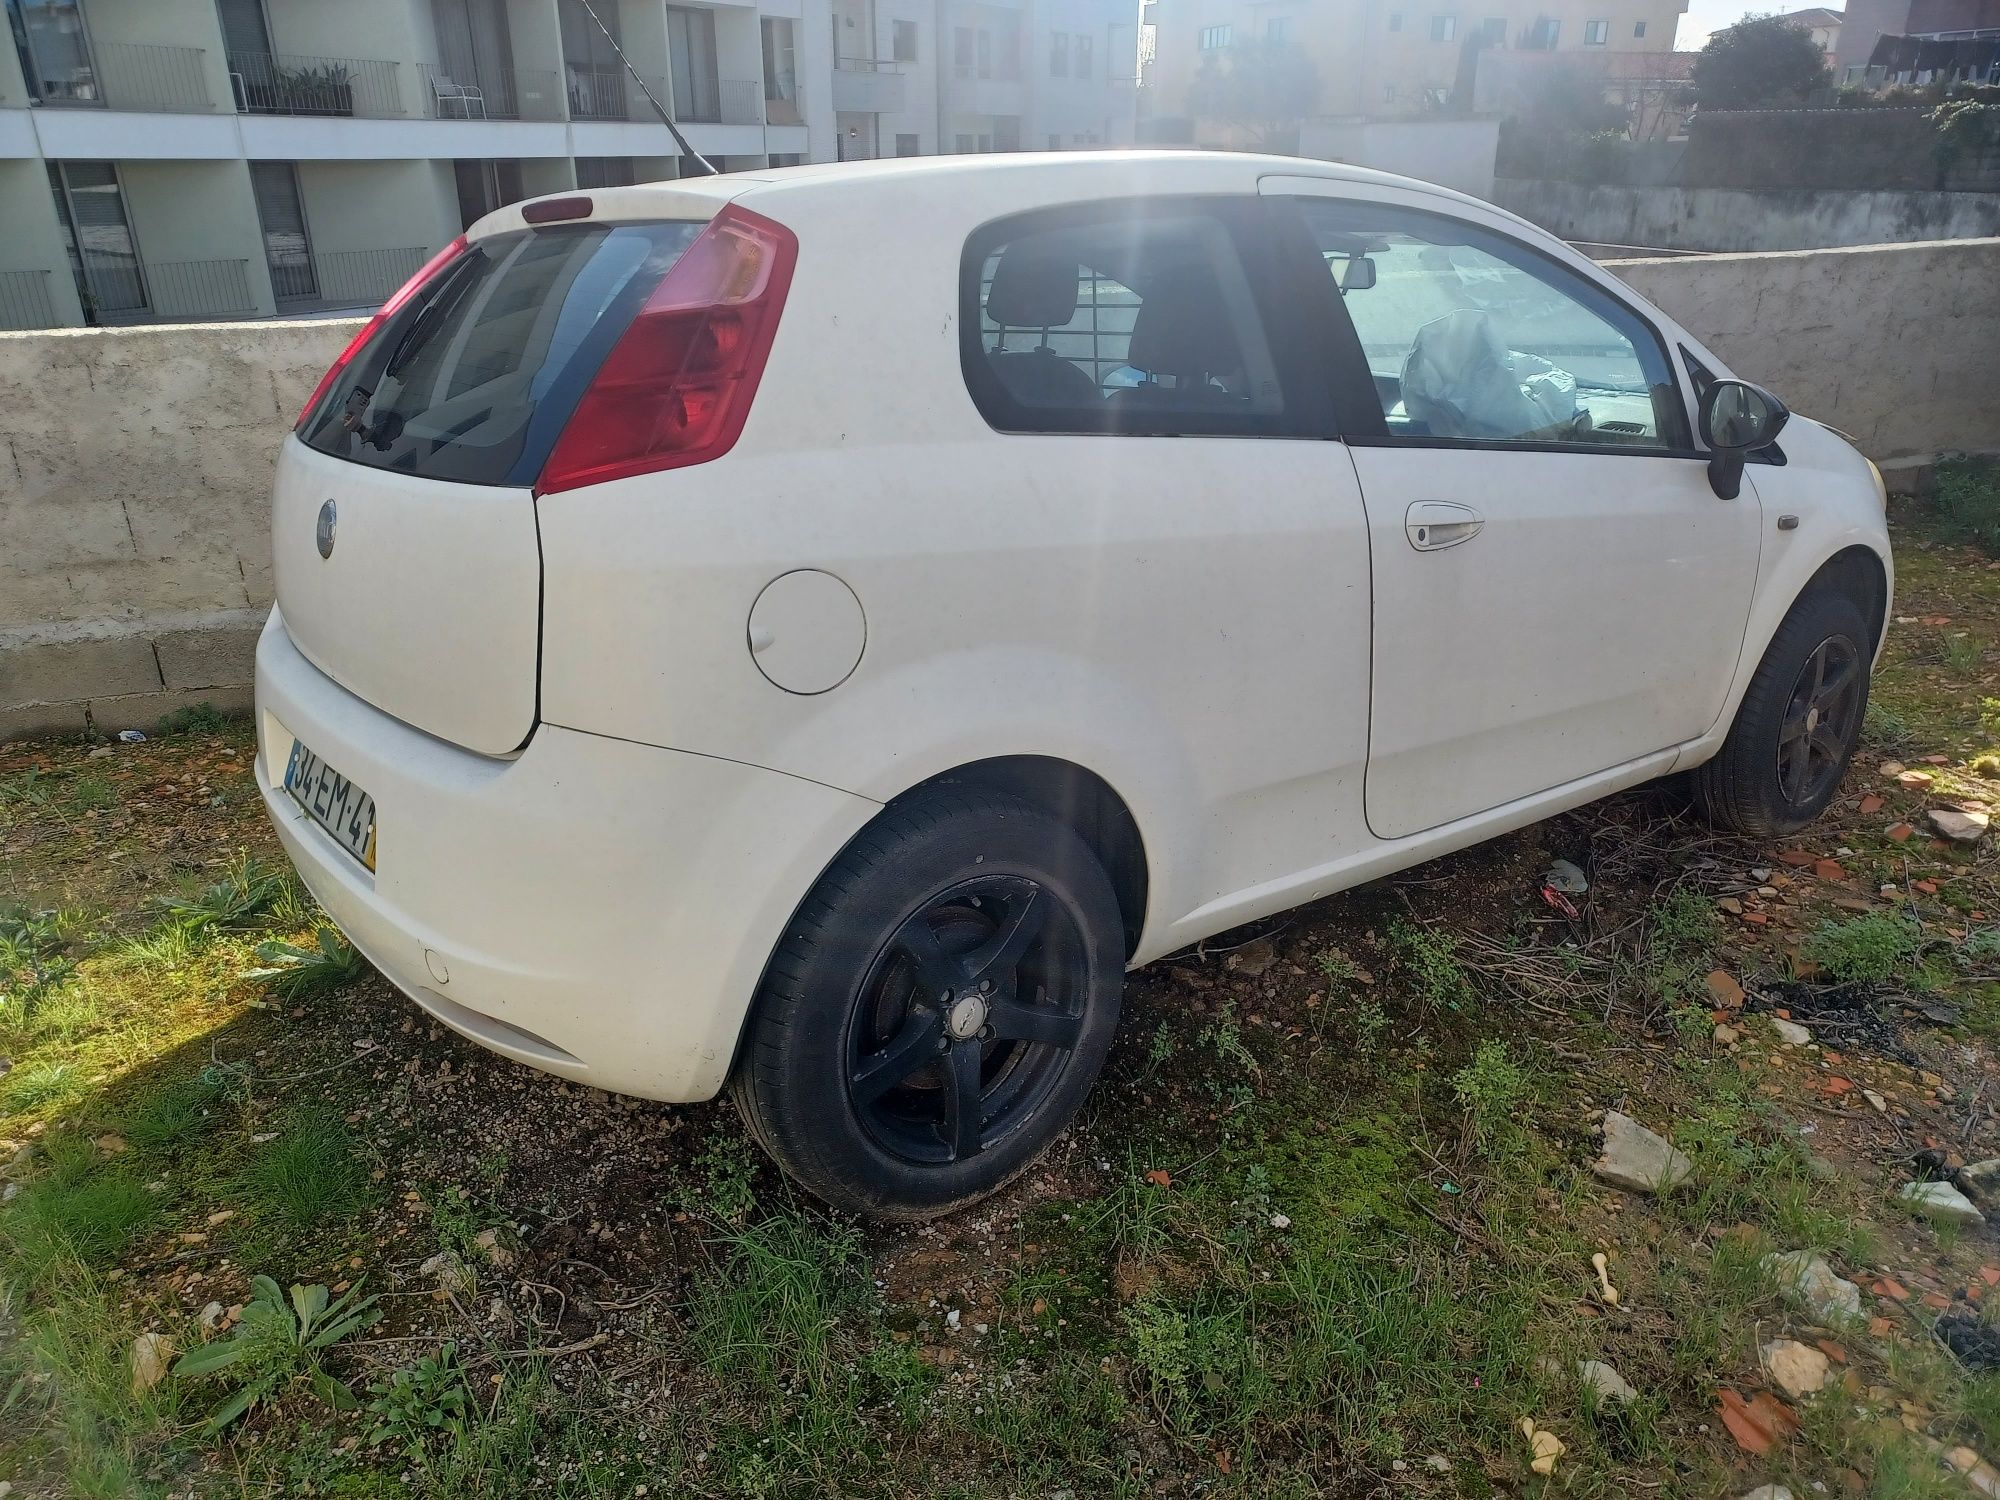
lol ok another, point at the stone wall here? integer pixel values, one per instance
(135, 464)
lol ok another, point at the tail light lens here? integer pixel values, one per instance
(389, 310)
(677, 386)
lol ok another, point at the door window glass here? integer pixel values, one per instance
(1469, 335)
(1129, 323)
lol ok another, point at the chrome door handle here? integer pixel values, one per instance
(1433, 525)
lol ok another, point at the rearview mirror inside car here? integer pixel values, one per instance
(1359, 276)
(1737, 418)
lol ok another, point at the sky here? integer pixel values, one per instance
(1704, 16)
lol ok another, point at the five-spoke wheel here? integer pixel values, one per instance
(940, 1006)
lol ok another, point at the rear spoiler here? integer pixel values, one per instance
(693, 199)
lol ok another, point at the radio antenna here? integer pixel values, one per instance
(708, 167)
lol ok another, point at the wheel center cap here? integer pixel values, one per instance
(966, 1017)
(1812, 720)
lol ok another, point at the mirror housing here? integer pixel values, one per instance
(1359, 276)
(1737, 418)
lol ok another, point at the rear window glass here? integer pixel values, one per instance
(473, 380)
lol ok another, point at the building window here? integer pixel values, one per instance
(103, 254)
(1596, 33)
(1638, 28)
(1493, 31)
(1388, 93)
(1443, 28)
(1055, 143)
(1278, 29)
(1083, 59)
(781, 72)
(906, 145)
(903, 41)
(965, 143)
(605, 171)
(54, 47)
(1059, 54)
(1396, 22)
(1214, 38)
(1543, 35)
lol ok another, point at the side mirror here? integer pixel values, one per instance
(1737, 418)
(1359, 276)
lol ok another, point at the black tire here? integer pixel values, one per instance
(855, 1065)
(1798, 723)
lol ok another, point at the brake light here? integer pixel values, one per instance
(677, 386)
(389, 309)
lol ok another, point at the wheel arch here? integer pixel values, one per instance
(1859, 572)
(1078, 797)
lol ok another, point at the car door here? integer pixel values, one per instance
(1557, 589)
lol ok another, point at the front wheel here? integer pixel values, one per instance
(1798, 724)
(938, 1008)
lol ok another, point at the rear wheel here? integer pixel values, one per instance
(938, 1009)
(1798, 724)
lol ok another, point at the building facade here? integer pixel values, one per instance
(166, 160)
(1866, 22)
(1381, 59)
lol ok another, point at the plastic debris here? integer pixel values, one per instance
(1600, 1263)
(1567, 878)
(131, 737)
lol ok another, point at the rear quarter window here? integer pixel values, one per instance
(473, 380)
(1142, 317)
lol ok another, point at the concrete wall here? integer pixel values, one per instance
(1668, 218)
(135, 464)
(1455, 153)
(1896, 345)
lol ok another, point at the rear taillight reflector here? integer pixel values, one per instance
(389, 309)
(677, 386)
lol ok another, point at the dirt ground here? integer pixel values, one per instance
(1326, 1227)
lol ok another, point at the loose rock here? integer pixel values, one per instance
(150, 1353)
(1605, 1381)
(1980, 1181)
(1940, 1200)
(1768, 1492)
(1798, 1369)
(1636, 1159)
(1959, 827)
(1809, 1279)
(1252, 959)
(1790, 1033)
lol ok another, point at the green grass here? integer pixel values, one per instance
(1965, 507)
(1873, 947)
(309, 1176)
(177, 1112)
(79, 1212)
(196, 718)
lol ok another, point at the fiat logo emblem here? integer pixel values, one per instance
(329, 518)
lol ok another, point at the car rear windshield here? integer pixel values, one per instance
(474, 378)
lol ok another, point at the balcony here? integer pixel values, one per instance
(532, 95)
(612, 94)
(597, 93)
(270, 83)
(171, 80)
(27, 300)
(305, 280)
(868, 86)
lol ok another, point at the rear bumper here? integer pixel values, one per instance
(591, 907)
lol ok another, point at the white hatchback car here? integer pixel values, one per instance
(815, 630)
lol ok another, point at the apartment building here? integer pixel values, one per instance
(1382, 58)
(166, 160)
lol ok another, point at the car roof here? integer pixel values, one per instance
(1060, 176)
(1113, 173)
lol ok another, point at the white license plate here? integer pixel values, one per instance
(333, 802)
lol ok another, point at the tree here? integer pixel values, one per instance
(1265, 87)
(1762, 62)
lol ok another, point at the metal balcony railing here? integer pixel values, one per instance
(169, 79)
(272, 83)
(598, 93)
(26, 300)
(530, 95)
(365, 278)
(742, 102)
(188, 289)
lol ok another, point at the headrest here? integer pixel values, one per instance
(1185, 332)
(1034, 286)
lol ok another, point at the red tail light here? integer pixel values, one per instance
(390, 308)
(677, 386)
